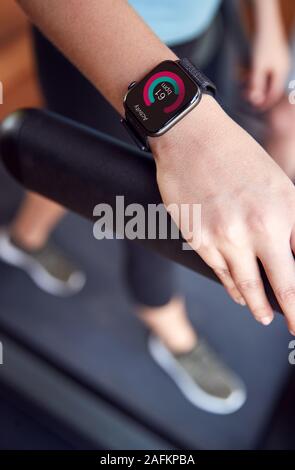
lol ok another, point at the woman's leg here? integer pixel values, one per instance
(26, 242)
(170, 323)
(35, 220)
(153, 287)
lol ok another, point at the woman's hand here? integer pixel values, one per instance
(248, 205)
(270, 56)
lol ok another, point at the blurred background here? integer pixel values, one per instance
(77, 372)
(17, 63)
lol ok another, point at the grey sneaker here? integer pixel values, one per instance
(201, 376)
(48, 267)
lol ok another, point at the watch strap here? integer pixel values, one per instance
(206, 85)
(135, 131)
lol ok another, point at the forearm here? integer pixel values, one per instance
(268, 18)
(107, 41)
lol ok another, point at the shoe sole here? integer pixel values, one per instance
(192, 392)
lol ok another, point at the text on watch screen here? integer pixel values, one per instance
(163, 94)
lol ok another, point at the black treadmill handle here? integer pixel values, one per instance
(79, 168)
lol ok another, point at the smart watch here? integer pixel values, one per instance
(162, 98)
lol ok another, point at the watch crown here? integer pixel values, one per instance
(131, 85)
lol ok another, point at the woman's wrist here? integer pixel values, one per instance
(269, 25)
(196, 126)
(270, 35)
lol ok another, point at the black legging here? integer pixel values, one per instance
(150, 277)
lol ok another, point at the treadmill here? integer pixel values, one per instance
(81, 364)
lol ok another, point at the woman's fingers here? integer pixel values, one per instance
(275, 89)
(246, 275)
(257, 86)
(292, 242)
(238, 270)
(216, 261)
(279, 266)
(266, 87)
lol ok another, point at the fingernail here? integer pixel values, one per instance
(266, 320)
(241, 301)
(292, 332)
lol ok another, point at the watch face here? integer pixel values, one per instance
(162, 96)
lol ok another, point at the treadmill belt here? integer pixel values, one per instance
(97, 335)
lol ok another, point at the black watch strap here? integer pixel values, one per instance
(199, 77)
(136, 133)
